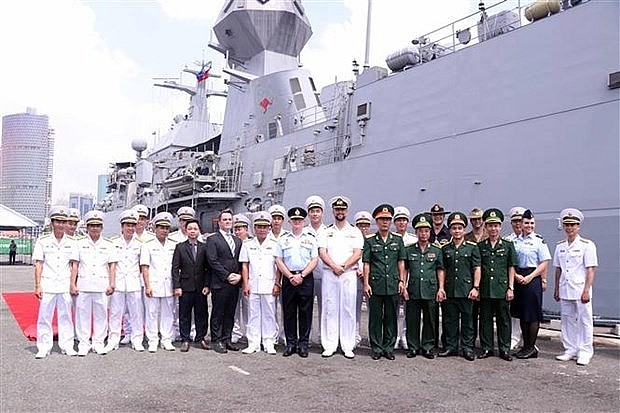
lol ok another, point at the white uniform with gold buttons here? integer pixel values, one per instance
(339, 292)
(56, 257)
(91, 304)
(158, 257)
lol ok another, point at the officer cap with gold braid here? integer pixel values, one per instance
(186, 213)
(493, 215)
(129, 216)
(240, 220)
(362, 217)
(163, 219)
(340, 202)
(262, 218)
(142, 210)
(457, 218)
(571, 216)
(422, 220)
(93, 217)
(383, 211)
(315, 201)
(402, 212)
(297, 213)
(58, 213)
(73, 215)
(516, 213)
(276, 211)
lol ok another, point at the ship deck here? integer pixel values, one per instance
(128, 381)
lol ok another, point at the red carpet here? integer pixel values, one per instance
(25, 308)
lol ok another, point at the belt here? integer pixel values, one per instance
(525, 270)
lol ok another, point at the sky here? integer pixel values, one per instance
(89, 65)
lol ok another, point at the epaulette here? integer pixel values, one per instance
(584, 240)
(80, 237)
(370, 235)
(109, 239)
(310, 233)
(561, 241)
(541, 238)
(439, 245)
(507, 239)
(151, 240)
(330, 225)
(397, 234)
(114, 237)
(247, 240)
(48, 235)
(470, 243)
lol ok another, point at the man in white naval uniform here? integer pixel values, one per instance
(315, 206)
(127, 297)
(261, 284)
(156, 267)
(95, 281)
(362, 221)
(241, 226)
(340, 248)
(402, 216)
(575, 260)
(71, 224)
(516, 222)
(143, 235)
(278, 213)
(55, 258)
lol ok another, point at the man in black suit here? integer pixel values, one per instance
(223, 259)
(190, 282)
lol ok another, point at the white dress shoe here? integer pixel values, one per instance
(270, 350)
(153, 348)
(327, 353)
(101, 350)
(110, 347)
(41, 354)
(82, 351)
(167, 346)
(69, 352)
(249, 350)
(138, 347)
(565, 357)
(583, 361)
(125, 340)
(349, 354)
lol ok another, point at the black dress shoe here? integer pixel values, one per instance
(288, 351)
(204, 344)
(220, 348)
(375, 355)
(428, 354)
(389, 356)
(504, 355)
(469, 355)
(303, 352)
(185, 346)
(527, 354)
(232, 347)
(485, 354)
(448, 353)
(411, 354)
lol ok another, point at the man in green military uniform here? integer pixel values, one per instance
(425, 264)
(458, 288)
(498, 262)
(384, 279)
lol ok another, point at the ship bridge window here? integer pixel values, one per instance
(273, 130)
(298, 96)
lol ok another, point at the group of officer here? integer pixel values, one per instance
(264, 287)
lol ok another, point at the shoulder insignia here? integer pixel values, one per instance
(80, 237)
(470, 243)
(151, 240)
(114, 237)
(584, 240)
(330, 225)
(109, 239)
(370, 235)
(247, 240)
(561, 241)
(507, 239)
(48, 235)
(438, 244)
(541, 238)
(397, 234)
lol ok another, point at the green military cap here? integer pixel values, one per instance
(383, 211)
(493, 215)
(457, 218)
(297, 213)
(422, 220)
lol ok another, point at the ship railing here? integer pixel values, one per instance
(464, 32)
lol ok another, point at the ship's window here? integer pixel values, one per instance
(295, 86)
(318, 101)
(300, 103)
(273, 130)
(312, 84)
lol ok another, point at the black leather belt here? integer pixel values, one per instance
(525, 271)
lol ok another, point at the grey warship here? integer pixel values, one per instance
(490, 110)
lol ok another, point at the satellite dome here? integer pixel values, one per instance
(139, 144)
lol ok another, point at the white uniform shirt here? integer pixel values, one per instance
(93, 270)
(262, 264)
(272, 237)
(128, 265)
(573, 259)
(318, 270)
(146, 236)
(56, 257)
(531, 250)
(340, 243)
(409, 239)
(158, 257)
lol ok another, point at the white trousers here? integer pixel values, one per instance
(401, 337)
(91, 314)
(128, 304)
(315, 333)
(176, 332)
(126, 317)
(280, 336)
(62, 303)
(358, 309)
(262, 326)
(241, 317)
(515, 336)
(577, 328)
(338, 316)
(159, 319)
